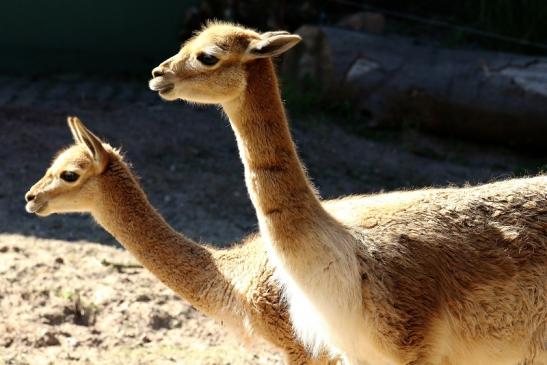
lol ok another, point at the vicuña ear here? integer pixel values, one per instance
(75, 135)
(82, 135)
(275, 32)
(272, 44)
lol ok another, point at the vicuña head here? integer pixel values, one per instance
(69, 185)
(210, 67)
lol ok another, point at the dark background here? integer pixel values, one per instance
(128, 37)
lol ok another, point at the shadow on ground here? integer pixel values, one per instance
(187, 158)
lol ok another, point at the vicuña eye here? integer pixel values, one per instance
(69, 176)
(207, 59)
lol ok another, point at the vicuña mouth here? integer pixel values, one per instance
(161, 85)
(33, 207)
(166, 89)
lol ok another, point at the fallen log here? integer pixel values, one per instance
(486, 96)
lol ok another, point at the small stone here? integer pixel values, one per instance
(59, 260)
(103, 294)
(48, 338)
(73, 342)
(6, 342)
(143, 298)
(160, 320)
(53, 318)
(4, 249)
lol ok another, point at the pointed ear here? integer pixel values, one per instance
(75, 135)
(82, 135)
(275, 32)
(272, 44)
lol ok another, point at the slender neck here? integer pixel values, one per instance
(186, 267)
(275, 178)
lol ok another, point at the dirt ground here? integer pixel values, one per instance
(60, 303)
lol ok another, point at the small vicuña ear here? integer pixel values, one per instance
(82, 135)
(77, 138)
(272, 44)
(275, 32)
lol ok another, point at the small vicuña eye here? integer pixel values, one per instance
(69, 176)
(207, 59)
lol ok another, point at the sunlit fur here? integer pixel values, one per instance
(234, 285)
(439, 276)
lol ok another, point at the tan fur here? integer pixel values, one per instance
(233, 285)
(446, 276)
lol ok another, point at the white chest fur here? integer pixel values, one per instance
(341, 329)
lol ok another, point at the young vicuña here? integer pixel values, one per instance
(233, 285)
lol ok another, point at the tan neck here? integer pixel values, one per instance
(279, 188)
(181, 264)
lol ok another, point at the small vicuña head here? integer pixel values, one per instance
(69, 184)
(210, 67)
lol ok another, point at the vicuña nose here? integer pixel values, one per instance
(29, 197)
(157, 72)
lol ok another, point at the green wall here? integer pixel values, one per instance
(40, 36)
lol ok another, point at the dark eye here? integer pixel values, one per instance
(207, 59)
(69, 176)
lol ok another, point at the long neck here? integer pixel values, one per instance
(282, 194)
(186, 267)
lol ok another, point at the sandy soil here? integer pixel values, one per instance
(60, 304)
(66, 303)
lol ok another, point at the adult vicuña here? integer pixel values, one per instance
(233, 285)
(436, 276)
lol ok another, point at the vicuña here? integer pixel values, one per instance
(233, 285)
(435, 276)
